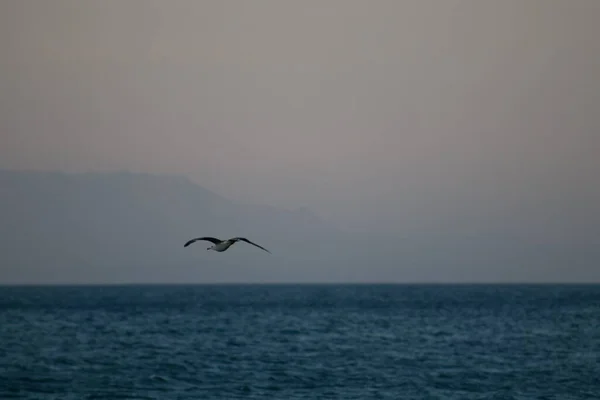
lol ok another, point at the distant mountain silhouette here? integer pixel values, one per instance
(89, 227)
(127, 227)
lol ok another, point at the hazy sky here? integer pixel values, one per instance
(369, 112)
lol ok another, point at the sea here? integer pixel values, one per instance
(300, 342)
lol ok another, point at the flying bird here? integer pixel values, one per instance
(222, 245)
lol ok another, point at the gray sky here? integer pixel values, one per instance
(374, 114)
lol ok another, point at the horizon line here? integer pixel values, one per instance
(340, 283)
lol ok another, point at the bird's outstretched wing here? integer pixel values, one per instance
(207, 238)
(254, 244)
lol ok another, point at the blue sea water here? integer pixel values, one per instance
(300, 342)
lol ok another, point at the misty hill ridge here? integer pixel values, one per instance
(126, 227)
(93, 221)
(171, 201)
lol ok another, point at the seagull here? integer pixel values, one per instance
(222, 245)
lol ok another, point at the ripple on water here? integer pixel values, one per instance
(300, 342)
